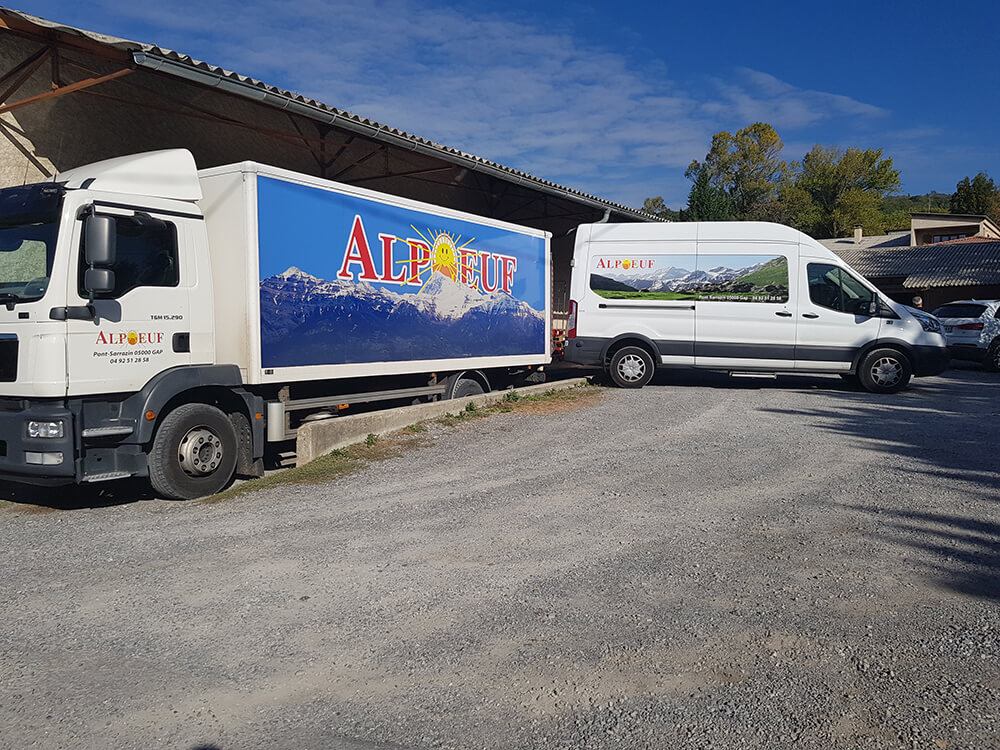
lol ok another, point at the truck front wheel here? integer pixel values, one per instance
(194, 453)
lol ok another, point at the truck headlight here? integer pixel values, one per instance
(53, 429)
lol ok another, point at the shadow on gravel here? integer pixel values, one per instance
(966, 551)
(30, 499)
(946, 424)
(947, 427)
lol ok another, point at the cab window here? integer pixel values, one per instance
(146, 255)
(834, 288)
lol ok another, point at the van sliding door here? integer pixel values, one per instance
(745, 306)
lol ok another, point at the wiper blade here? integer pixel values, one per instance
(8, 297)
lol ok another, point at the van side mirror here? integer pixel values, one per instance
(99, 280)
(870, 308)
(99, 240)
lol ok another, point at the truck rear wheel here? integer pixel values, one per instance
(194, 453)
(631, 367)
(467, 387)
(885, 371)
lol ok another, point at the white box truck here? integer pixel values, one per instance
(163, 322)
(742, 297)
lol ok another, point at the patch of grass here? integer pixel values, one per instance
(419, 427)
(336, 464)
(371, 439)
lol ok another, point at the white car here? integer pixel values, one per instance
(972, 328)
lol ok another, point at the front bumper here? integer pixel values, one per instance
(930, 360)
(21, 456)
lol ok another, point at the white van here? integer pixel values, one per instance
(738, 297)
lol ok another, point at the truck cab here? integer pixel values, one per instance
(105, 291)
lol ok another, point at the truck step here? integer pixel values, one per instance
(107, 476)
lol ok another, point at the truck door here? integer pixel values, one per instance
(833, 317)
(744, 313)
(142, 325)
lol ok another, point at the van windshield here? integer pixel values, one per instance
(29, 226)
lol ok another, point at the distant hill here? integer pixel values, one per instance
(932, 202)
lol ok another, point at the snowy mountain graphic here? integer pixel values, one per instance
(675, 279)
(306, 320)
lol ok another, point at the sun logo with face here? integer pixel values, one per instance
(133, 338)
(626, 264)
(444, 255)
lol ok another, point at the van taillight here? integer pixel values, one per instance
(970, 327)
(571, 333)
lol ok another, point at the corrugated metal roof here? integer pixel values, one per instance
(941, 264)
(893, 239)
(158, 58)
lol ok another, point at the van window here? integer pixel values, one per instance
(146, 255)
(714, 278)
(834, 288)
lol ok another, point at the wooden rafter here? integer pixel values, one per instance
(23, 72)
(63, 90)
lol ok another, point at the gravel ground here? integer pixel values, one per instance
(704, 563)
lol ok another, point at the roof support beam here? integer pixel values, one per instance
(63, 90)
(23, 72)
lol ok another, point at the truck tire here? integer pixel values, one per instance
(467, 387)
(631, 367)
(194, 453)
(885, 371)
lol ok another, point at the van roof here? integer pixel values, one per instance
(752, 231)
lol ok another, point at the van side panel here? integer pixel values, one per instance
(623, 289)
(745, 311)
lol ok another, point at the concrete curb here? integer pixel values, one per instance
(319, 438)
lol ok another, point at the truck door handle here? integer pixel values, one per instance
(810, 315)
(181, 342)
(783, 314)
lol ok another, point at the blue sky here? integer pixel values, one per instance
(614, 99)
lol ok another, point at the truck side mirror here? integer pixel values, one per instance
(99, 241)
(99, 280)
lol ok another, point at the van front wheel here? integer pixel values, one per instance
(631, 367)
(885, 371)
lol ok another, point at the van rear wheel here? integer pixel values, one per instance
(631, 367)
(885, 371)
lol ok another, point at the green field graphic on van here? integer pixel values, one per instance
(644, 295)
(706, 277)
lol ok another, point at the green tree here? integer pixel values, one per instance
(977, 196)
(657, 207)
(747, 166)
(706, 202)
(845, 189)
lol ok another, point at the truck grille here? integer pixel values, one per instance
(8, 358)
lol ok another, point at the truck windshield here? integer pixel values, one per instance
(29, 225)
